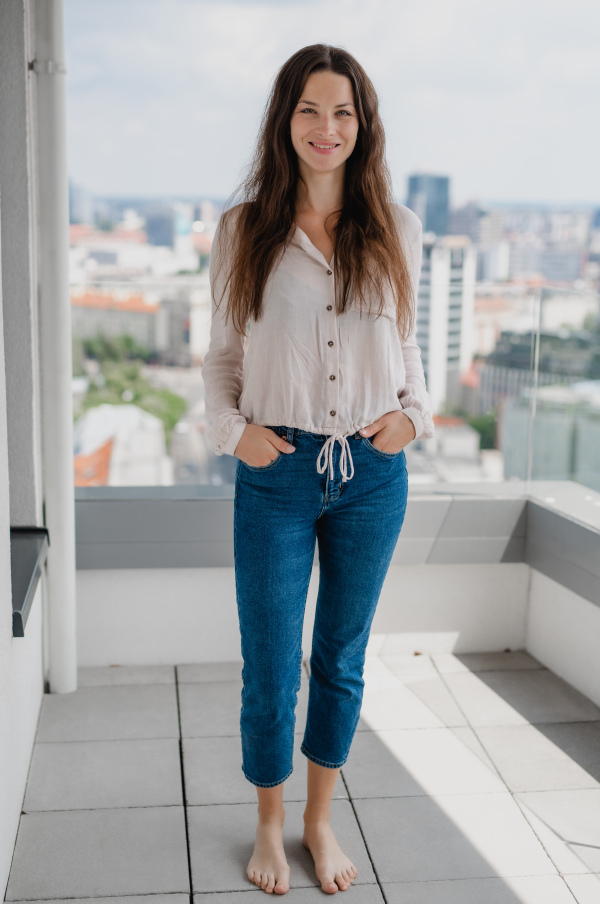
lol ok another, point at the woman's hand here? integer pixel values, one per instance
(257, 446)
(394, 431)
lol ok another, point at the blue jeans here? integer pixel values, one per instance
(280, 512)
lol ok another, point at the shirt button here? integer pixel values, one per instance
(332, 377)
(329, 272)
(329, 307)
(332, 413)
(330, 342)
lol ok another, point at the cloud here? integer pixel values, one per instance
(165, 96)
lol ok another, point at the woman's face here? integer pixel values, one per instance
(324, 124)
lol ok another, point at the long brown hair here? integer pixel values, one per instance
(369, 254)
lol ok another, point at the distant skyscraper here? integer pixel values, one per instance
(81, 204)
(160, 226)
(428, 197)
(445, 315)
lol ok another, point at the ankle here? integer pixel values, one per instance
(271, 817)
(316, 820)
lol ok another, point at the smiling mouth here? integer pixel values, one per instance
(324, 147)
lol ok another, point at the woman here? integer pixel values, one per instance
(317, 407)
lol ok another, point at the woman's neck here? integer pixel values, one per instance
(319, 193)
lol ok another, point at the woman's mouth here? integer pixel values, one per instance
(323, 147)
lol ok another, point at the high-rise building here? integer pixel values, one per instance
(81, 204)
(445, 315)
(428, 197)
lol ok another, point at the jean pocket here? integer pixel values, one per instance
(263, 467)
(380, 452)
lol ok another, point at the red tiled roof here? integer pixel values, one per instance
(107, 301)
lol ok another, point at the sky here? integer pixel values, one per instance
(164, 97)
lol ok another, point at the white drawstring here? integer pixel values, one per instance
(346, 455)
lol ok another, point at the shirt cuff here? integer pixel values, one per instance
(228, 447)
(416, 418)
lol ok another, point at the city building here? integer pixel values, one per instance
(445, 315)
(81, 204)
(428, 197)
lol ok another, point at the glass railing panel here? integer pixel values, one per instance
(564, 441)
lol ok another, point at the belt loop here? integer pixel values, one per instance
(290, 435)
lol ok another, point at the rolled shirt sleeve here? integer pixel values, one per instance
(222, 369)
(414, 398)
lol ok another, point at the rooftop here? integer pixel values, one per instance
(471, 778)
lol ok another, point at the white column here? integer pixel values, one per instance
(55, 343)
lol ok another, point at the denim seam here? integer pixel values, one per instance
(319, 762)
(267, 784)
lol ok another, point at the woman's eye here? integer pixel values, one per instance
(345, 112)
(307, 110)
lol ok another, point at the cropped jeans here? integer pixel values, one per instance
(280, 512)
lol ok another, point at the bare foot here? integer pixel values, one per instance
(268, 867)
(333, 869)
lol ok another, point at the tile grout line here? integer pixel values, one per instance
(185, 807)
(362, 834)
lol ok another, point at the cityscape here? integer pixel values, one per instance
(508, 318)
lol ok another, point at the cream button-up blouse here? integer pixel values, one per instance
(303, 365)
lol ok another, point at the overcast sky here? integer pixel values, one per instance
(164, 96)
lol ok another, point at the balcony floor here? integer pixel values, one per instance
(472, 778)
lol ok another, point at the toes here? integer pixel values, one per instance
(270, 883)
(329, 886)
(281, 888)
(341, 881)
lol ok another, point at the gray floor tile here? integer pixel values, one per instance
(406, 665)
(209, 671)
(578, 740)
(585, 888)
(461, 836)
(213, 709)
(366, 894)
(563, 855)
(125, 674)
(128, 899)
(110, 714)
(96, 853)
(389, 704)
(433, 692)
(518, 697)
(213, 773)
(222, 839)
(517, 890)
(485, 662)
(574, 818)
(528, 760)
(93, 774)
(427, 761)
(467, 736)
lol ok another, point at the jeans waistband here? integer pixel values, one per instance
(325, 457)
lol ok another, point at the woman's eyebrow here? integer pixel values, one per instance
(315, 104)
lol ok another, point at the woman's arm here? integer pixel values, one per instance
(223, 363)
(414, 398)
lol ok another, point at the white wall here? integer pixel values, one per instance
(563, 632)
(146, 616)
(21, 659)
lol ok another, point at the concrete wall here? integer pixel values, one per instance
(563, 632)
(176, 615)
(21, 659)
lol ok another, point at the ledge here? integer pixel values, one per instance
(28, 550)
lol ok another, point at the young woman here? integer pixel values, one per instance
(317, 406)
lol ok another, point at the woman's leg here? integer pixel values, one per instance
(357, 535)
(333, 869)
(268, 867)
(274, 545)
